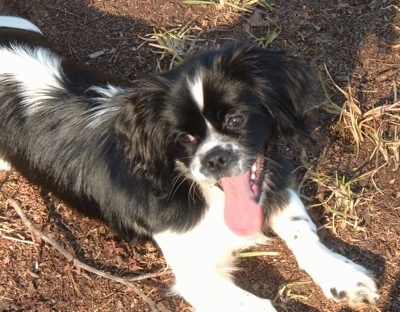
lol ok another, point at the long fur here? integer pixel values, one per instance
(83, 131)
(156, 157)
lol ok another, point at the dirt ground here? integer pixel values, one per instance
(356, 41)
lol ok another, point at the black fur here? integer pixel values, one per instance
(123, 164)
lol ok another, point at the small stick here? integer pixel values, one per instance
(80, 265)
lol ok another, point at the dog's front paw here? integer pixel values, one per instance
(348, 282)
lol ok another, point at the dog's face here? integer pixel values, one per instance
(232, 133)
(210, 121)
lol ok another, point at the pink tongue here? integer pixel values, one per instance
(242, 213)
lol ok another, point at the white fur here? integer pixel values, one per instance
(4, 165)
(107, 93)
(37, 71)
(18, 22)
(331, 271)
(202, 262)
(100, 113)
(196, 89)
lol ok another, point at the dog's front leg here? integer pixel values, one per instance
(202, 266)
(340, 278)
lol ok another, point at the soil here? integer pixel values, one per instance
(357, 41)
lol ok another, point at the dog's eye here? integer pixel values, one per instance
(187, 138)
(235, 121)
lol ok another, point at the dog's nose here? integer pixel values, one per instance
(217, 159)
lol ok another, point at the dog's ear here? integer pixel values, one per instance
(284, 85)
(142, 135)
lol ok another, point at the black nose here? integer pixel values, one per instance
(217, 159)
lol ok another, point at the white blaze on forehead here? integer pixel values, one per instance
(196, 89)
(18, 22)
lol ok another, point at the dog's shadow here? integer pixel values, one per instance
(62, 224)
(394, 304)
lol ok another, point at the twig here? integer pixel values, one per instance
(17, 239)
(80, 265)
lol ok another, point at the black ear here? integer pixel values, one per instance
(285, 86)
(142, 135)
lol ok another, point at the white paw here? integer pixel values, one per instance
(345, 281)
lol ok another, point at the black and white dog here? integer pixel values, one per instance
(188, 157)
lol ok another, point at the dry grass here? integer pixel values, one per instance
(235, 5)
(271, 34)
(336, 195)
(173, 45)
(378, 127)
(286, 293)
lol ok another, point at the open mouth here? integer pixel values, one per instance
(243, 213)
(257, 175)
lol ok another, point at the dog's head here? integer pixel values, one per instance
(211, 120)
